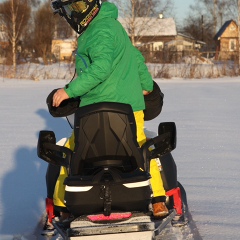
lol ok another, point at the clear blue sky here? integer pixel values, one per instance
(181, 8)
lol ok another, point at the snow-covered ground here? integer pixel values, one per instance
(207, 116)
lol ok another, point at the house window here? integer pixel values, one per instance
(158, 46)
(232, 44)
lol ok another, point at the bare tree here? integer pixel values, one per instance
(228, 9)
(131, 10)
(35, 3)
(15, 14)
(207, 16)
(44, 28)
(62, 28)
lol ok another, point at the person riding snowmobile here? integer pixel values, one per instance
(109, 69)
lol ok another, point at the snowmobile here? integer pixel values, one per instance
(108, 189)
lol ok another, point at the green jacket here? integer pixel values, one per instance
(109, 68)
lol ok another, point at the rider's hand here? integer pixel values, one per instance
(59, 96)
(146, 92)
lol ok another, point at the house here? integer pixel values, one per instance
(63, 48)
(158, 32)
(150, 35)
(185, 42)
(227, 41)
(147, 30)
(3, 41)
(155, 36)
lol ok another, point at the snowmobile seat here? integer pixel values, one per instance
(106, 169)
(105, 134)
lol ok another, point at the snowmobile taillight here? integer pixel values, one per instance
(112, 217)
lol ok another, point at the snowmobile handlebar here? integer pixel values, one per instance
(160, 145)
(52, 153)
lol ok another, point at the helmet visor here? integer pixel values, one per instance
(75, 7)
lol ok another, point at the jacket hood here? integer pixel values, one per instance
(108, 10)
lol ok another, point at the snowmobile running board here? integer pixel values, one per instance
(137, 227)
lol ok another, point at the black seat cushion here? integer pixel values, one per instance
(105, 133)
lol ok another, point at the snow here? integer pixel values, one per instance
(206, 113)
(151, 26)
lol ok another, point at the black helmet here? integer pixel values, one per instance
(78, 13)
